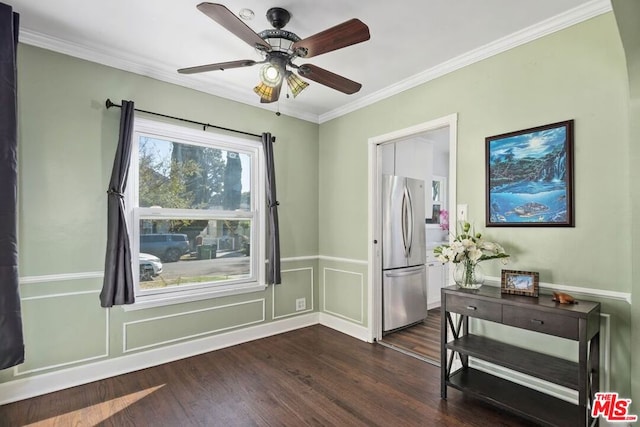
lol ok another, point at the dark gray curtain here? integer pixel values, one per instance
(273, 249)
(117, 287)
(11, 338)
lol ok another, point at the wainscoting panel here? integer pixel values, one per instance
(162, 330)
(62, 339)
(296, 283)
(344, 294)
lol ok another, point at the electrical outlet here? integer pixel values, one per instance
(301, 304)
(462, 212)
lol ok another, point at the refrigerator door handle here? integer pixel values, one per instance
(403, 272)
(404, 223)
(409, 221)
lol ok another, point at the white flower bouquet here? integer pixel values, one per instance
(468, 249)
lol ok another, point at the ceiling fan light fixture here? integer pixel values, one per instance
(280, 48)
(264, 91)
(270, 75)
(295, 83)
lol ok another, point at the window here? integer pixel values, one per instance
(196, 212)
(438, 199)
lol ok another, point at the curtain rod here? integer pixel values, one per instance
(110, 104)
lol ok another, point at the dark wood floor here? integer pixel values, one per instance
(422, 339)
(312, 376)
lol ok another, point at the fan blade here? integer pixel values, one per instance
(219, 66)
(342, 35)
(274, 95)
(232, 23)
(327, 78)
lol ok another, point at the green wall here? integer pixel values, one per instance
(578, 73)
(67, 144)
(67, 141)
(627, 14)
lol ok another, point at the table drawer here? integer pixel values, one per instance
(543, 322)
(474, 307)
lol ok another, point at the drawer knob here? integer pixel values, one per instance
(470, 307)
(537, 322)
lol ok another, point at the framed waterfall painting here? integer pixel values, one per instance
(529, 177)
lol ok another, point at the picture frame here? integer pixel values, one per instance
(516, 282)
(529, 177)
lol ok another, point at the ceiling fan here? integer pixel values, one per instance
(280, 48)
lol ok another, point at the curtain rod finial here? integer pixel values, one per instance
(109, 104)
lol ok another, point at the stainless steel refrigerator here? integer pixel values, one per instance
(404, 280)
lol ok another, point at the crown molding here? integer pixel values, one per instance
(160, 71)
(559, 22)
(153, 69)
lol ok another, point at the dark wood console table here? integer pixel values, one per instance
(578, 322)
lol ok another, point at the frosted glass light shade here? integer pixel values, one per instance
(270, 75)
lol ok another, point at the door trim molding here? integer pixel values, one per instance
(374, 211)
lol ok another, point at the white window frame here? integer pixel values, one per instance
(443, 198)
(257, 213)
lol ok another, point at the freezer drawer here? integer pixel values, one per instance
(404, 297)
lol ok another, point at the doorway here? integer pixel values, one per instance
(411, 340)
(421, 340)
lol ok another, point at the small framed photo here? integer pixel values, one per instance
(520, 282)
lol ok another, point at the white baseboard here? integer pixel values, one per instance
(555, 390)
(346, 327)
(37, 385)
(432, 305)
(534, 383)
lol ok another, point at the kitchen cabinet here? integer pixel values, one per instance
(575, 322)
(436, 280)
(411, 158)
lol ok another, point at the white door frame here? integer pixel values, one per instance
(375, 228)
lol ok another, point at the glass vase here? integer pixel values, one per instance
(468, 275)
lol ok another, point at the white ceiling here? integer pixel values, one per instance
(411, 42)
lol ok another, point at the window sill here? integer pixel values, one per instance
(161, 300)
